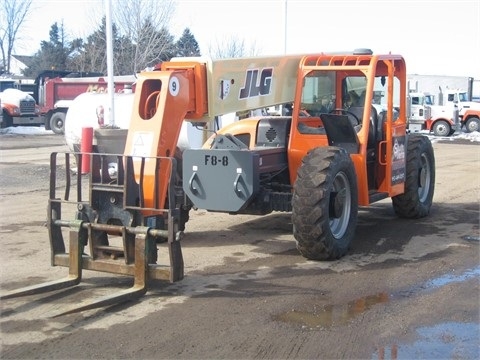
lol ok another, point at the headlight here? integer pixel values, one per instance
(16, 111)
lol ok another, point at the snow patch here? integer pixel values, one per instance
(472, 137)
(25, 130)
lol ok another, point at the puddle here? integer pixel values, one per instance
(450, 340)
(471, 238)
(329, 315)
(450, 278)
(326, 316)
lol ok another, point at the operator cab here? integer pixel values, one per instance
(349, 105)
(347, 100)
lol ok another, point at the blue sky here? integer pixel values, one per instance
(436, 37)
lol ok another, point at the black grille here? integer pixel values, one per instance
(27, 106)
(271, 134)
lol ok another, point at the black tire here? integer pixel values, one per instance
(7, 120)
(323, 221)
(441, 128)
(57, 123)
(472, 124)
(416, 201)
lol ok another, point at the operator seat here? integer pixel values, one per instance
(358, 112)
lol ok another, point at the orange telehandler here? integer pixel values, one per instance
(344, 145)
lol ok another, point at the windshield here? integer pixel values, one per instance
(462, 97)
(429, 100)
(319, 93)
(355, 91)
(6, 85)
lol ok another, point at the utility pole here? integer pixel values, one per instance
(110, 85)
(285, 29)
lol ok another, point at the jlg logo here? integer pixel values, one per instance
(255, 86)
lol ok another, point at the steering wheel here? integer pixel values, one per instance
(346, 112)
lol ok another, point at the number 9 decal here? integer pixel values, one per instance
(174, 86)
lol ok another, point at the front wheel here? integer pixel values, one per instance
(57, 123)
(441, 128)
(472, 124)
(416, 200)
(325, 204)
(7, 120)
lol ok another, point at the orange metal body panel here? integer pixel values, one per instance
(163, 100)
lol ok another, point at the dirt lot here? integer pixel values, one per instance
(406, 289)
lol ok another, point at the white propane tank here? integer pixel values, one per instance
(86, 109)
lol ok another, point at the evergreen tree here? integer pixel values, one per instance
(53, 54)
(187, 45)
(167, 46)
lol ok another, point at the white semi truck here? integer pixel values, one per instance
(468, 111)
(424, 115)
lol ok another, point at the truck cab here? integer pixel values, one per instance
(423, 114)
(18, 107)
(419, 110)
(461, 99)
(468, 111)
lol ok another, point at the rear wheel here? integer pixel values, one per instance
(416, 201)
(472, 124)
(441, 128)
(57, 123)
(325, 204)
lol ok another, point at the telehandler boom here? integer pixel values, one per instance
(344, 145)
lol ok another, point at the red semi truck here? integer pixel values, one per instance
(55, 90)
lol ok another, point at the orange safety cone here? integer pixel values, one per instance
(86, 146)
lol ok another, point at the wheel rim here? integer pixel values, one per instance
(442, 129)
(472, 125)
(340, 205)
(424, 178)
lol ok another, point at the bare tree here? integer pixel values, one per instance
(232, 47)
(144, 22)
(13, 13)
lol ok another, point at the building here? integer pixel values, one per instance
(18, 63)
(436, 84)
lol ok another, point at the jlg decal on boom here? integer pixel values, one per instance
(254, 87)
